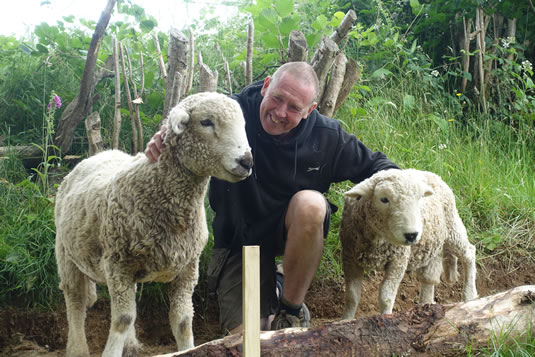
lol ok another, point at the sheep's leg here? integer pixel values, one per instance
(122, 292)
(389, 287)
(75, 286)
(429, 276)
(460, 246)
(449, 263)
(353, 277)
(181, 305)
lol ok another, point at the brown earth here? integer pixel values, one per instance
(44, 334)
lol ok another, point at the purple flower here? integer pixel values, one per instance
(57, 99)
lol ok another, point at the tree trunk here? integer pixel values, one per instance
(297, 47)
(425, 330)
(71, 118)
(92, 127)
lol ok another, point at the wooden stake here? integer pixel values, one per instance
(251, 300)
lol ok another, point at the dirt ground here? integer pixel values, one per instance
(45, 334)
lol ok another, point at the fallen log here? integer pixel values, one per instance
(429, 330)
(23, 151)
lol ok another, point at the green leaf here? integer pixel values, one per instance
(415, 6)
(155, 100)
(408, 101)
(287, 25)
(270, 40)
(380, 73)
(320, 23)
(313, 39)
(284, 7)
(337, 19)
(440, 122)
(147, 25)
(268, 18)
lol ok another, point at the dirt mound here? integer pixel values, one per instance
(45, 334)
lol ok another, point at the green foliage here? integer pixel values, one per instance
(28, 275)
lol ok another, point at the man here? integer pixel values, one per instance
(297, 154)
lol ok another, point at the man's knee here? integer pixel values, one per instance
(307, 207)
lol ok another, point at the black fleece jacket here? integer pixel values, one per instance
(317, 153)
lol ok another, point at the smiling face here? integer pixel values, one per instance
(287, 100)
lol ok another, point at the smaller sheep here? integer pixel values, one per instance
(403, 220)
(121, 220)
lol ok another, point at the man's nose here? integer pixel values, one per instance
(280, 110)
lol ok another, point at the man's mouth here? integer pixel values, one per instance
(274, 120)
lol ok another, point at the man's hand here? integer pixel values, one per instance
(155, 145)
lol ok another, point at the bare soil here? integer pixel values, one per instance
(28, 334)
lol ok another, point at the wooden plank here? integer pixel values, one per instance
(251, 300)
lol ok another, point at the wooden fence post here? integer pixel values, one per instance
(251, 300)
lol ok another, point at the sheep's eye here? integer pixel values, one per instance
(207, 122)
(384, 200)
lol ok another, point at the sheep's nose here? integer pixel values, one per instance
(246, 161)
(411, 237)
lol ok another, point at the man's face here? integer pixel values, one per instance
(286, 102)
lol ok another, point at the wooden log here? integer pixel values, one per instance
(328, 102)
(22, 151)
(338, 35)
(92, 127)
(249, 58)
(207, 77)
(423, 330)
(328, 50)
(117, 114)
(177, 56)
(297, 47)
(352, 76)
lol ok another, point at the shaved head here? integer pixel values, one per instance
(301, 71)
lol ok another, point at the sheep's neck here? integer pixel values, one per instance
(174, 179)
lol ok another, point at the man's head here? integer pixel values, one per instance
(289, 97)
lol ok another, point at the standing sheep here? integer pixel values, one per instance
(122, 220)
(400, 220)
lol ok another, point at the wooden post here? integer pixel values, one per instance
(251, 300)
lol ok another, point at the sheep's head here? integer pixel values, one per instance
(207, 134)
(392, 200)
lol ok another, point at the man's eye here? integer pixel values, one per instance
(207, 122)
(294, 110)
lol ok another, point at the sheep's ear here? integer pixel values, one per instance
(363, 189)
(178, 118)
(428, 191)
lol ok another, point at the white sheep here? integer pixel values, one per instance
(400, 220)
(122, 220)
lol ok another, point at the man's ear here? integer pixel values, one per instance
(178, 118)
(312, 107)
(265, 86)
